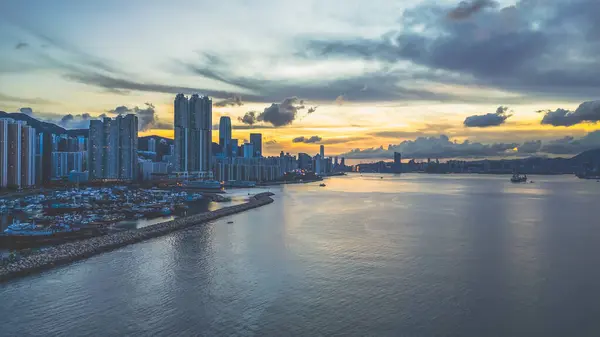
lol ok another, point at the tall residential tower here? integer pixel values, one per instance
(193, 133)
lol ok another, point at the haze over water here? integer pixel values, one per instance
(410, 255)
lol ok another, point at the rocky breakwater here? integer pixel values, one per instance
(78, 250)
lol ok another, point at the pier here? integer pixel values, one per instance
(73, 251)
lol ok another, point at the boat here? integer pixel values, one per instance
(240, 183)
(518, 178)
(588, 175)
(26, 235)
(203, 184)
(322, 185)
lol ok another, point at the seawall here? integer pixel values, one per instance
(78, 250)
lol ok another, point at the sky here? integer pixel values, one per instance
(440, 79)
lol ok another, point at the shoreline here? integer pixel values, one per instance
(73, 251)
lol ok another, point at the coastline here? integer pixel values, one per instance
(74, 251)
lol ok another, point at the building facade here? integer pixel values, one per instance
(112, 148)
(193, 133)
(256, 141)
(225, 135)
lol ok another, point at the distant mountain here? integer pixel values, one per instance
(589, 156)
(41, 126)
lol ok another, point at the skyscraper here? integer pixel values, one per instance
(27, 156)
(17, 154)
(4, 152)
(322, 151)
(249, 150)
(234, 149)
(182, 125)
(152, 145)
(225, 135)
(193, 133)
(128, 146)
(112, 148)
(256, 141)
(397, 162)
(96, 149)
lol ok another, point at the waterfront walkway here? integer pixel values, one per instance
(73, 251)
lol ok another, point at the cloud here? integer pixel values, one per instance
(278, 114)
(512, 48)
(530, 147)
(235, 100)
(249, 118)
(271, 142)
(66, 119)
(487, 120)
(443, 147)
(21, 45)
(467, 8)
(434, 147)
(340, 100)
(85, 116)
(312, 109)
(311, 140)
(587, 112)
(25, 100)
(397, 134)
(571, 145)
(147, 118)
(120, 85)
(342, 140)
(27, 111)
(283, 113)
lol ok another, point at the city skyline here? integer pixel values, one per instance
(321, 82)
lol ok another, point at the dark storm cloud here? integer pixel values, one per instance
(278, 114)
(21, 45)
(487, 120)
(587, 112)
(513, 48)
(467, 8)
(235, 100)
(147, 118)
(307, 140)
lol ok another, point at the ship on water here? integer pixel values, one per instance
(519, 178)
(25, 235)
(203, 184)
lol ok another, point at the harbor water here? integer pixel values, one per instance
(409, 255)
